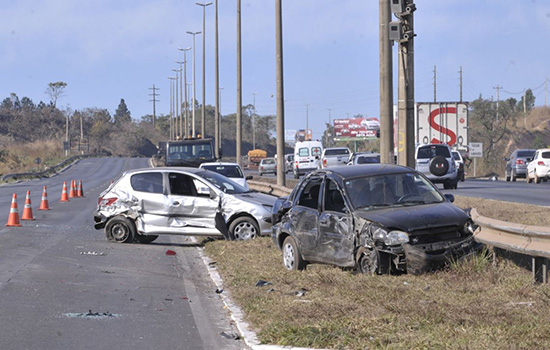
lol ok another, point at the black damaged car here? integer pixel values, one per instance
(377, 218)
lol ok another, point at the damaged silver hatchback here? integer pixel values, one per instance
(376, 218)
(145, 203)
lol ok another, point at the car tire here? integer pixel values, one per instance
(120, 229)
(373, 262)
(146, 239)
(447, 185)
(439, 166)
(514, 176)
(292, 258)
(527, 178)
(507, 176)
(537, 178)
(244, 228)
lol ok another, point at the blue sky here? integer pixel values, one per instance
(108, 50)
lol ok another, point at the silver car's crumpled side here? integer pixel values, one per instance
(238, 203)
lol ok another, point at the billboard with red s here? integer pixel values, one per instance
(355, 129)
(444, 122)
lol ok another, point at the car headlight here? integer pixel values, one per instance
(390, 238)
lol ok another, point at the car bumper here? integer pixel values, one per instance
(100, 220)
(441, 179)
(420, 260)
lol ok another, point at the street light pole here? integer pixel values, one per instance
(171, 106)
(217, 119)
(307, 122)
(176, 108)
(281, 179)
(238, 133)
(193, 82)
(186, 105)
(203, 65)
(220, 126)
(180, 115)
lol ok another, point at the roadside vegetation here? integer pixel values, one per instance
(471, 304)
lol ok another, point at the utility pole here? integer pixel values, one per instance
(194, 85)
(307, 123)
(176, 108)
(546, 93)
(217, 119)
(171, 106)
(186, 103)
(386, 84)
(402, 32)
(180, 115)
(238, 134)
(154, 100)
(524, 108)
(254, 121)
(435, 84)
(498, 88)
(460, 82)
(203, 118)
(281, 180)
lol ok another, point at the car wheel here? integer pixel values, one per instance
(537, 178)
(244, 228)
(514, 176)
(527, 178)
(292, 259)
(454, 185)
(507, 176)
(447, 186)
(146, 239)
(120, 229)
(373, 262)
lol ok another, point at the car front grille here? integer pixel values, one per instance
(436, 234)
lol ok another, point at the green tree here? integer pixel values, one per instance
(529, 101)
(122, 114)
(55, 91)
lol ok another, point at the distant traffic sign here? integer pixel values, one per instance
(476, 149)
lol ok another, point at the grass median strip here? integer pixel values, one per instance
(470, 305)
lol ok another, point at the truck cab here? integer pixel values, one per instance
(190, 152)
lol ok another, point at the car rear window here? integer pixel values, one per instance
(545, 155)
(268, 161)
(225, 170)
(368, 159)
(526, 154)
(433, 151)
(333, 152)
(303, 152)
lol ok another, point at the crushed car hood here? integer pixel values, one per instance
(416, 217)
(261, 198)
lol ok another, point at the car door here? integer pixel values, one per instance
(191, 205)
(305, 215)
(336, 240)
(150, 199)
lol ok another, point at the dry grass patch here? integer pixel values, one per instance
(20, 157)
(470, 305)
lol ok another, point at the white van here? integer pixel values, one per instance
(306, 157)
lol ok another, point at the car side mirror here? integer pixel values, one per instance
(249, 177)
(449, 197)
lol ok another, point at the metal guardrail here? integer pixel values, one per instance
(529, 240)
(50, 171)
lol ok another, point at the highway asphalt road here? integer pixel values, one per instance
(517, 192)
(63, 286)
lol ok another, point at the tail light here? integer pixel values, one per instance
(324, 162)
(296, 162)
(540, 162)
(519, 162)
(105, 202)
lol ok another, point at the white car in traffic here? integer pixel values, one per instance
(539, 167)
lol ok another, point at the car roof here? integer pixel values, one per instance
(220, 163)
(165, 169)
(351, 171)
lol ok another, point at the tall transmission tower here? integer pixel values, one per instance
(154, 100)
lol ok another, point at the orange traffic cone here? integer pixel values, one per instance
(44, 205)
(27, 209)
(13, 219)
(80, 192)
(72, 192)
(64, 195)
